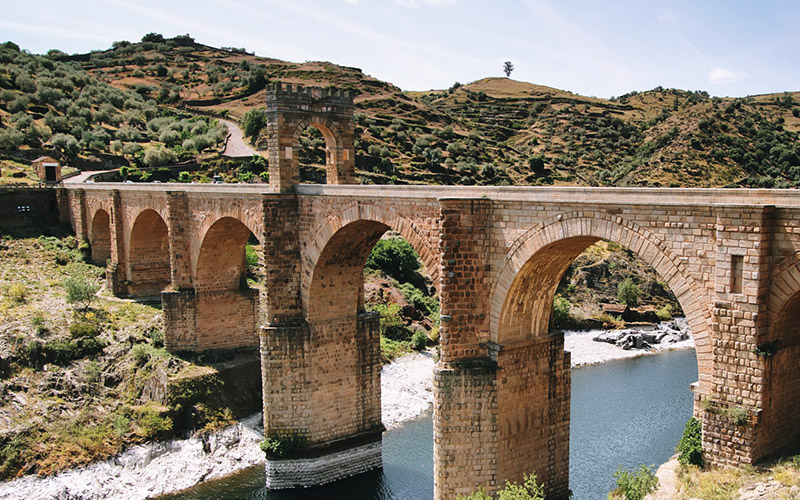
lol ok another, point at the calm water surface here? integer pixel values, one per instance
(624, 412)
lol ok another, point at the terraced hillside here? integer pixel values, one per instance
(147, 104)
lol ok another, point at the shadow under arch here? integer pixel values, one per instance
(100, 237)
(780, 405)
(227, 309)
(376, 220)
(148, 255)
(522, 297)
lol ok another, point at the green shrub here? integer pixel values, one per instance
(739, 415)
(665, 313)
(63, 352)
(121, 424)
(391, 349)
(635, 484)
(392, 325)
(419, 340)
(80, 290)
(690, 447)
(18, 293)
(92, 372)
(12, 455)
(628, 292)
(426, 304)
(152, 423)
(561, 311)
(38, 322)
(251, 257)
(528, 490)
(396, 258)
(253, 121)
(83, 329)
(280, 446)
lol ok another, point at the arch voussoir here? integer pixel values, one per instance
(613, 228)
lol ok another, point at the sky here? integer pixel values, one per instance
(590, 47)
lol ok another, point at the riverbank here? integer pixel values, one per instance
(155, 469)
(775, 481)
(586, 351)
(160, 468)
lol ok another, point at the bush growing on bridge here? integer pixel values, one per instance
(528, 490)
(690, 447)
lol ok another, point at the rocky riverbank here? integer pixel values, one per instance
(154, 469)
(159, 468)
(598, 346)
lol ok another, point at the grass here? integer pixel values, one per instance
(724, 484)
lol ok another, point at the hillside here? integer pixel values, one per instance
(148, 103)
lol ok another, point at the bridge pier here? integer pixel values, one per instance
(322, 411)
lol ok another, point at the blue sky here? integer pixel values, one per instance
(591, 47)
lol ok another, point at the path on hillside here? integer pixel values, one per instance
(236, 146)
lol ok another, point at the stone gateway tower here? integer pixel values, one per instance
(289, 112)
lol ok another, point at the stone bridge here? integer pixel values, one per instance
(502, 386)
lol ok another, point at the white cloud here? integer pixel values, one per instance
(666, 17)
(415, 4)
(721, 75)
(352, 2)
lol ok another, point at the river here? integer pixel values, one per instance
(624, 412)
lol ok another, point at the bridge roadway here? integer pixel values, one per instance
(496, 255)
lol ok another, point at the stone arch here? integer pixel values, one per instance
(333, 146)
(226, 314)
(785, 284)
(381, 219)
(100, 237)
(248, 218)
(288, 109)
(781, 386)
(148, 255)
(522, 296)
(220, 263)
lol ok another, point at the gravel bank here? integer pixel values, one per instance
(155, 469)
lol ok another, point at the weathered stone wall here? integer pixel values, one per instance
(28, 208)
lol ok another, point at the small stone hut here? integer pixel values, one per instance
(47, 168)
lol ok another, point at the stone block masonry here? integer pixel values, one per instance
(495, 255)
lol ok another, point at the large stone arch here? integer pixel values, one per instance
(226, 314)
(379, 219)
(249, 220)
(780, 404)
(100, 236)
(220, 262)
(538, 259)
(289, 111)
(148, 255)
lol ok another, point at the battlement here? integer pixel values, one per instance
(297, 91)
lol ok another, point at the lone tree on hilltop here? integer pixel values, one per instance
(508, 68)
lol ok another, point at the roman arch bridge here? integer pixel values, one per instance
(502, 385)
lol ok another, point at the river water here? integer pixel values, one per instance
(624, 412)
